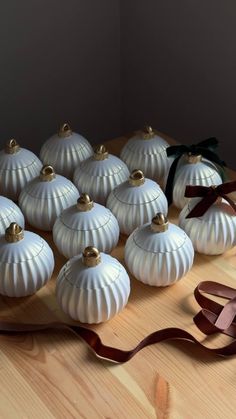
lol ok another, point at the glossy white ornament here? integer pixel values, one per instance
(26, 262)
(100, 174)
(136, 201)
(92, 287)
(84, 224)
(9, 213)
(65, 151)
(193, 172)
(147, 151)
(17, 167)
(159, 253)
(45, 197)
(215, 231)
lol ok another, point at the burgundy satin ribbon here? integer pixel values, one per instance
(213, 318)
(209, 195)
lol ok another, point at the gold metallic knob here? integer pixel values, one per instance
(14, 233)
(159, 223)
(65, 130)
(148, 133)
(12, 146)
(84, 203)
(193, 158)
(136, 178)
(91, 256)
(100, 152)
(47, 174)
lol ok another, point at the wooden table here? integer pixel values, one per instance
(54, 375)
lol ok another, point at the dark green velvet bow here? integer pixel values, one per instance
(205, 148)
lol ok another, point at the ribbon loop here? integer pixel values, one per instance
(209, 195)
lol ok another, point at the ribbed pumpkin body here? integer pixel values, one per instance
(42, 202)
(74, 230)
(214, 232)
(159, 259)
(16, 170)
(65, 153)
(92, 294)
(25, 266)
(9, 213)
(148, 155)
(136, 205)
(99, 177)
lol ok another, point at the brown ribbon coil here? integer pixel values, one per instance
(213, 318)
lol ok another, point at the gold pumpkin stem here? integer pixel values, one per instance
(84, 203)
(65, 130)
(91, 257)
(100, 152)
(12, 146)
(136, 178)
(148, 132)
(47, 174)
(14, 233)
(193, 158)
(159, 223)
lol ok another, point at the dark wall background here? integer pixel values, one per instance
(179, 69)
(60, 60)
(111, 66)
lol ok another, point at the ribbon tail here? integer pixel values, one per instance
(193, 191)
(170, 180)
(230, 201)
(202, 206)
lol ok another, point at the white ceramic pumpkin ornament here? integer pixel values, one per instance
(17, 167)
(84, 224)
(147, 151)
(45, 197)
(136, 201)
(214, 232)
(9, 212)
(159, 253)
(92, 287)
(65, 151)
(193, 172)
(100, 174)
(26, 262)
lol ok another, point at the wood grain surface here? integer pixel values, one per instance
(53, 374)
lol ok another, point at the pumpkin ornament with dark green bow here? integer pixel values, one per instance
(209, 218)
(197, 164)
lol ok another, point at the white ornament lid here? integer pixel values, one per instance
(159, 236)
(27, 245)
(147, 142)
(48, 185)
(13, 157)
(103, 163)
(92, 270)
(138, 190)
(86, 215)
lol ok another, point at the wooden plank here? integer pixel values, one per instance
(53, 374)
